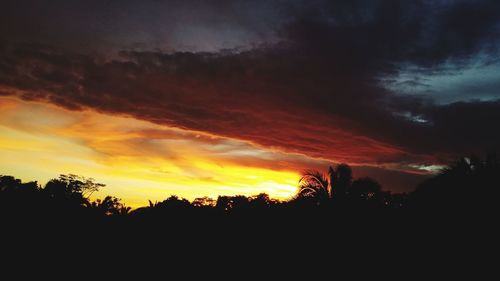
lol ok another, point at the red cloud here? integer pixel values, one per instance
(278, 97)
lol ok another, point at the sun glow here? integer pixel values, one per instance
(137, 160)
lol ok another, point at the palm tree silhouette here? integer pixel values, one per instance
(314, 184)
(333, 185)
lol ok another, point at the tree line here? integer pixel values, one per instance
(468, 184)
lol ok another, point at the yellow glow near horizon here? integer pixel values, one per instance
(137, 160)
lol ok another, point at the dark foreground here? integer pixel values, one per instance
(453, 213)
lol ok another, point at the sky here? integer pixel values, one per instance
(203, 98)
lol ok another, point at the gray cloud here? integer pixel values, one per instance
(316, 88)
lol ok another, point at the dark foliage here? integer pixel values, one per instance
(333, 203)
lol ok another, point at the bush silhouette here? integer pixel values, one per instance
(467, 187)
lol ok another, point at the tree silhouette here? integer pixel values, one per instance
(314, 184)
(365, 189)
(466, 184)
(223, 203)
(110, 206)
(204, 202)
(261, 201)
(368, 193)
(78, 184)
(467, 187)
(174, 202)
(72, 189)
(323, 188)
(340, 181)
(9, 184)
(16, 196)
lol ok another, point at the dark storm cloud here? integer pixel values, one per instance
(476, 78)
(96, 25)
(316, 90)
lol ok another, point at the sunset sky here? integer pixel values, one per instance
(207, 98)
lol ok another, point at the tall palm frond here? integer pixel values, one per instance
(313, 184)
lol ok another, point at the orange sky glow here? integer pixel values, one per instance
(138, 160)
